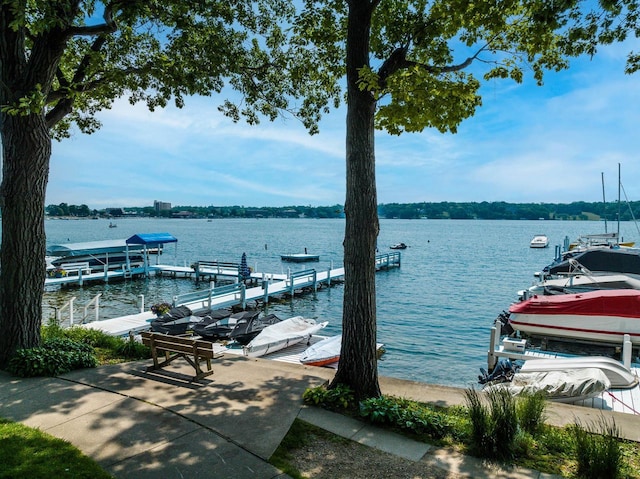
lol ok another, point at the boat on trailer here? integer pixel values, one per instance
(601, 316)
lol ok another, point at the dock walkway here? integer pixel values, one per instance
(238, 294)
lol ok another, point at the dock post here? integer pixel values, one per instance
(243, 296)
(80, 277)
(491, 357)
(106, 273)
(212, 285)
(265, 285)
(315, 281)
(626, 351)
(141, 302)
(197, 268)
(329, 275)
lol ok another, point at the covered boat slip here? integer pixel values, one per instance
(104, 260)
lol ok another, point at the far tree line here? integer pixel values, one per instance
(576, 211)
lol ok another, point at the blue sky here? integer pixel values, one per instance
(525, 144)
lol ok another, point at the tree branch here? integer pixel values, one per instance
(398, 61)
(109, 25)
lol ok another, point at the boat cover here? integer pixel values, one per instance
(152, 239)
(88, 248)
(619, 376)
(281, 335)
(618, 260)
(323, 352)
(567, 385)
(620, 303)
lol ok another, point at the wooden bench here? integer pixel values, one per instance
(195, 351)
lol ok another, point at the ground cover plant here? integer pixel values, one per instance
(65, 349)
(499, 427)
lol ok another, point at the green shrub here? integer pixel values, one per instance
(338, 398)
(481, 426)
(530, 409)
(131, 349)
(56, 356)
(93, 337)
(598, 455)
(494, 427)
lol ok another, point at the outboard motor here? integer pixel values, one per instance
(503, 372)
(505, 326)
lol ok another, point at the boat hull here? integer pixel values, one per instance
(300, 258)
(598, 316)
(282, 335)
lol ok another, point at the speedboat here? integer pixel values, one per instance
(539, 241)
(583, 282)
(604, 259)
(323, 353)
(601, 316)
(399, 246)
(282, 335)
(327, 352)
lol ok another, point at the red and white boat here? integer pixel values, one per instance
(596, 316)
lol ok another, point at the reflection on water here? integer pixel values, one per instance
(434, 313)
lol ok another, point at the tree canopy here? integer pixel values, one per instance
(62, 61)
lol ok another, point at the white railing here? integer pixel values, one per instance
(69, 307)
(95, 302)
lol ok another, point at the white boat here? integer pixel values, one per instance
(583, 282)
(539, 241)
(619, 376)
(602, 316)
(327, 352)
(566, 385)
(282, 335)
(323, 352)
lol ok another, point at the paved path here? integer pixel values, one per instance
(150, 425)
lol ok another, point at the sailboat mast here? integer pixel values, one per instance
(619, 185)
(604, 202)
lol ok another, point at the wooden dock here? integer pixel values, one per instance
(238, 294)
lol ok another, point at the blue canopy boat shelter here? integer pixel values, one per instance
(150, 240)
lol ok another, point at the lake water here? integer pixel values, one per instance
(434, 313)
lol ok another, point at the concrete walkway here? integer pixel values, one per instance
(139, 424)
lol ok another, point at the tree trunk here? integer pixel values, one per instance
(358, 364)
(26, 146)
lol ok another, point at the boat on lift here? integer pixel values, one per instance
(601, 316)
